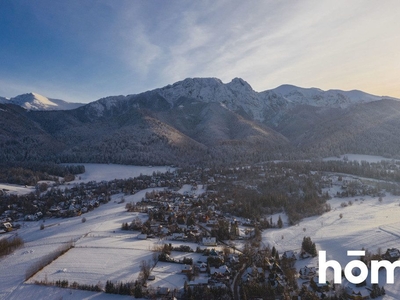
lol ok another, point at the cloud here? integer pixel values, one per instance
(126, 47)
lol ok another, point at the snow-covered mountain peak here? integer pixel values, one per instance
(199, 82)
(203, 89)
(35, 101)
(235, 95)
(239, 83)
(42, 99)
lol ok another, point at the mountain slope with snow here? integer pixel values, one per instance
(3, 100)
(34, 101)
(240, 97)
(320, 98)
(203, 120)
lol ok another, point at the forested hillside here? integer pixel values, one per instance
(202, 121)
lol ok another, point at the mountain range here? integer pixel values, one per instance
(34, 101)
(201, 121)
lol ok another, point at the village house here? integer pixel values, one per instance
(251, 274)
(209, 241)
(178, 236)
(307, 272)
(362, 294)
(289, 255)
(6, 226)
(223, 270)
(163, 291)
(392, 254)
(187, 269)
(201, 267)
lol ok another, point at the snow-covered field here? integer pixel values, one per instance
(367, 224)
(16, 189)
(93, 264)
(95, 172)
(100, 172)
(104, 252)
(91, 261)
(359, 158)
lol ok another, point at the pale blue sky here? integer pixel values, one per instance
(83, 50)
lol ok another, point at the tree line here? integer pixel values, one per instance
(29, 173)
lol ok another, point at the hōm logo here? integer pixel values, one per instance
(348, 270)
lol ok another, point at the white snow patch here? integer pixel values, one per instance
(360, 158)
(16, 189)
(107, 172)
(187, 189)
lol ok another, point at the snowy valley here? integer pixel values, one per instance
(231, 197)
(360, 214)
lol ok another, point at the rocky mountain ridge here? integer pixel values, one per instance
(239, 96)
(204, 121)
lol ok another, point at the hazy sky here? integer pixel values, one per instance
(83, 50)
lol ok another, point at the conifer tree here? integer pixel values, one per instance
(280, 223)
(308, 246)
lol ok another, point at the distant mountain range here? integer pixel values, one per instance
(201, 121)
(33, 101)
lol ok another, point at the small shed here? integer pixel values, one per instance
(142, 236)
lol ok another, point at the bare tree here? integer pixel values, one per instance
(144, 271)
(155, 258)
